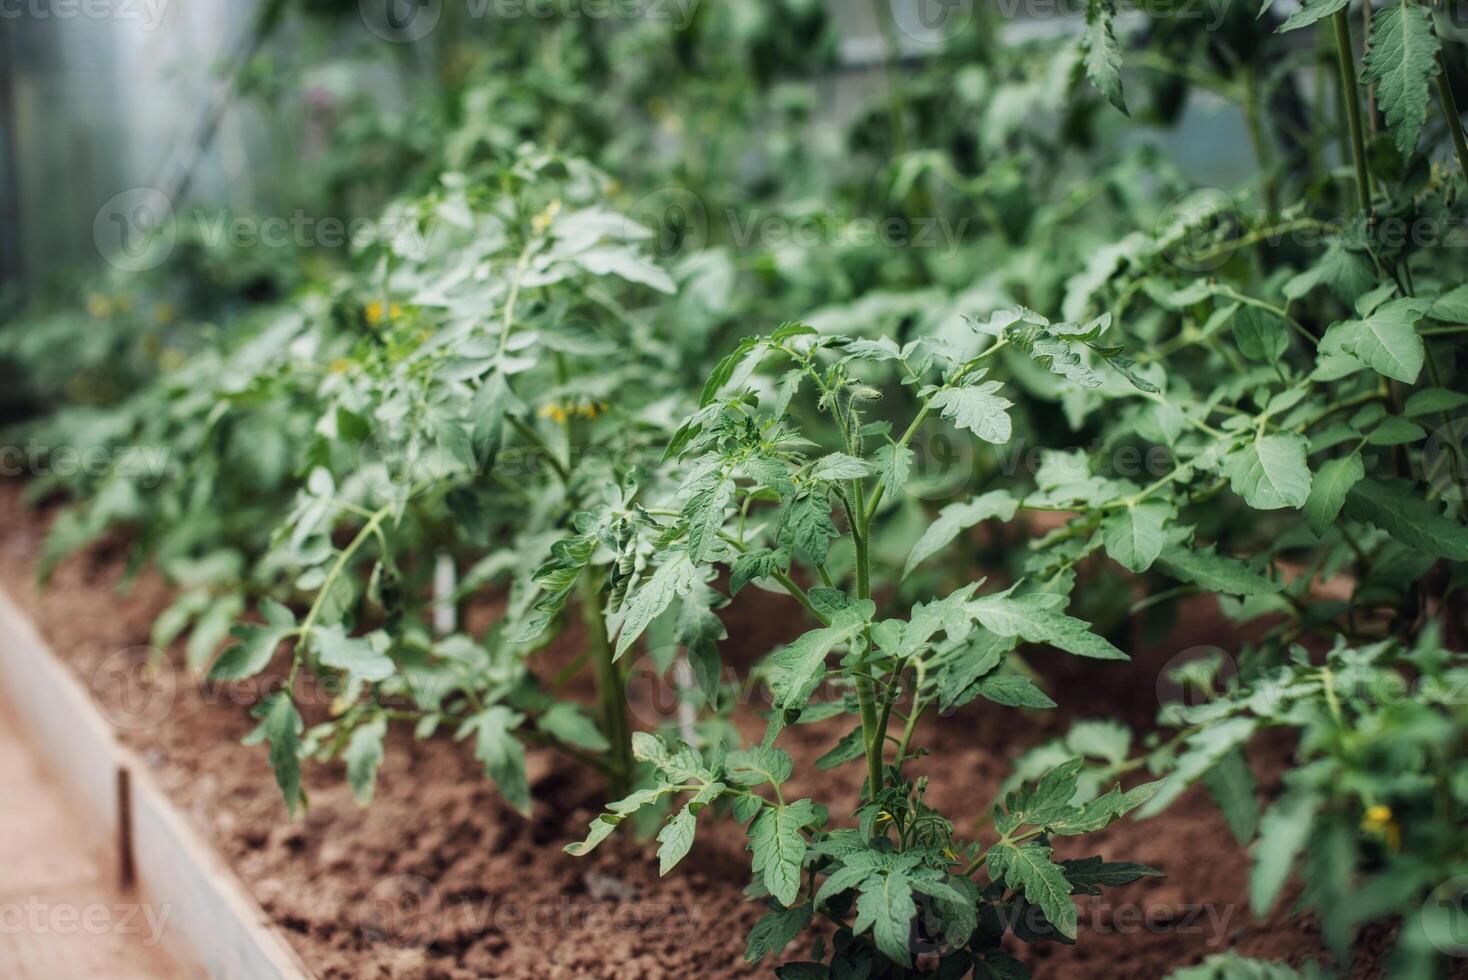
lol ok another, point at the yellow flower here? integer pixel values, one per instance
(99, 306)
(340, 366)
(1379, 821)
(555, 412)
(374, 312)
(541, 222)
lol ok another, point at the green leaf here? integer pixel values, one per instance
(959, 517)
(1201, 752)
(676, 839)
(798, 669)
(1387, 341)
(1311, 11)
(1328, 492)
(759, 765)
(759, 563)
(779, 847)
(851, 747)
(1033, 619)
(1401, 62)
(894, 464)
(1214, 572)
(360, 657)
(704, 515)
(885, 906)
(1398, 508)
(569, 724)
(281, 726)
(1028, 869)
(1013, 691)
(1134, 536)
(840, 466)
(675, 577)
(1103, 52)
(977, 409)
(776, 930)
(502, 754)
(1231, 782)
(1283, 832)
(1089, 875)
(363, 756)
(699, 630)
(1261, 335)
(1270, 472)
(806, 527)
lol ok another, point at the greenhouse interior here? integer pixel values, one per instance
(650, 489)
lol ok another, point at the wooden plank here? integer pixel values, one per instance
(213, 918)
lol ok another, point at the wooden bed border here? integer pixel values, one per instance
(214, 923)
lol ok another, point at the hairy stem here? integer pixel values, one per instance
(609, 687)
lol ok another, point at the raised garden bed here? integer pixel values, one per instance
(440, 878)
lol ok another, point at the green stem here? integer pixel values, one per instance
(1350, 95)
(1455, 121)
(309, 623)
(610, 690)
(528, 433)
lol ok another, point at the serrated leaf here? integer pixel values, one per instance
(1013, 691)
(676, 839)
(1387, 341)
(759, 563)
(894, 465)
(885, 906)
(1270, 472)
(776, 930)
(1283, 832)
(357, 656)
(281, 726)
(501, 753)
(959, 517)
(759, 765)
(363, 756)
(1028, 869)
(1033, 619)
(1400, 510)
(779, 847)
(1260, 335)
(675, 577)
(1214, 572)
(977, 409)
(252, 654)
(1133, 536)
(1231, 782)
(1103, 52)
(1401, 62)
(1311, 11)
(569, 724)
(1329, 490)
(840, 466)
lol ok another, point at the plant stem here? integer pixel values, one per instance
(1350, 95)
(309, 623)
(609, 687)
(1455, 121)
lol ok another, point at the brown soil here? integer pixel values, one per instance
(439, 879)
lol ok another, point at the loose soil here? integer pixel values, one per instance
(439, 880)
